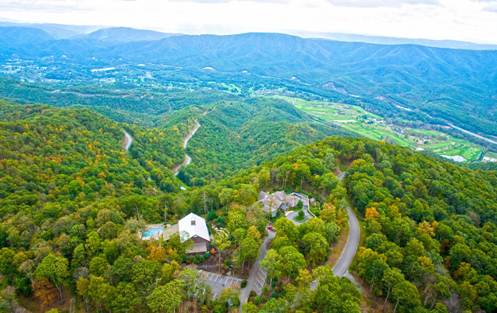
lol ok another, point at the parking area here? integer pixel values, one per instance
(260, 281)
(219, 282)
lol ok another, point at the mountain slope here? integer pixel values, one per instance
(454, 84)
(20, 40)
(68, 157)
(431, 226)
(236, 135)
(72, 198)
(434, 84)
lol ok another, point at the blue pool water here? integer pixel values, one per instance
(152, 232)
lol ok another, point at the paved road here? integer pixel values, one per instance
(187, 160)
(472, 134)
(292, 215)
(257, 276)
(128, 140)
(341, 268)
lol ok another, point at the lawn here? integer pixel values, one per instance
(454, 147)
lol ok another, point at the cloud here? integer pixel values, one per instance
(489, 5)
(381, 3)
(229, 1)
(491, 8)
(203, 1)
(42, 5)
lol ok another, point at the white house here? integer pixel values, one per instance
(195, 228)
(189, 227)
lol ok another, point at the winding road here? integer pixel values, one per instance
(341, 268)
(465, 131)
(257, 275)
(187, 160)
(128, 140)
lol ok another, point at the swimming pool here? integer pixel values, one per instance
(153, 232)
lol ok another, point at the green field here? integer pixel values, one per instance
(369, 125)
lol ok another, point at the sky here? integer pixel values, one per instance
(466, 20)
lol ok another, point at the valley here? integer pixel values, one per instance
(151, 172)
(417, 136)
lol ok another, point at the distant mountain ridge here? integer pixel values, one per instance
(434, 83)
(125, 34)
(107, 34)
(57, 31)
(382, 40)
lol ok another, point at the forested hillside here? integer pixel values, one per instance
(59, 159)
(122, 103)
(73, 201)
(236, 135)
(431, 226)
(430, 223)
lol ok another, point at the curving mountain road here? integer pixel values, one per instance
(341, 268)
(128, 140)
(187, 160)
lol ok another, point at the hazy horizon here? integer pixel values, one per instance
(460, 20)
(345, 37)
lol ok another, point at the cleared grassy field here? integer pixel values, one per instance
(366, 124)
(454, 147)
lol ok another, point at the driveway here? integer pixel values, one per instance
(257, 276)
(292, 215)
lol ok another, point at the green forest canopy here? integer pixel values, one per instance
(72, 201)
